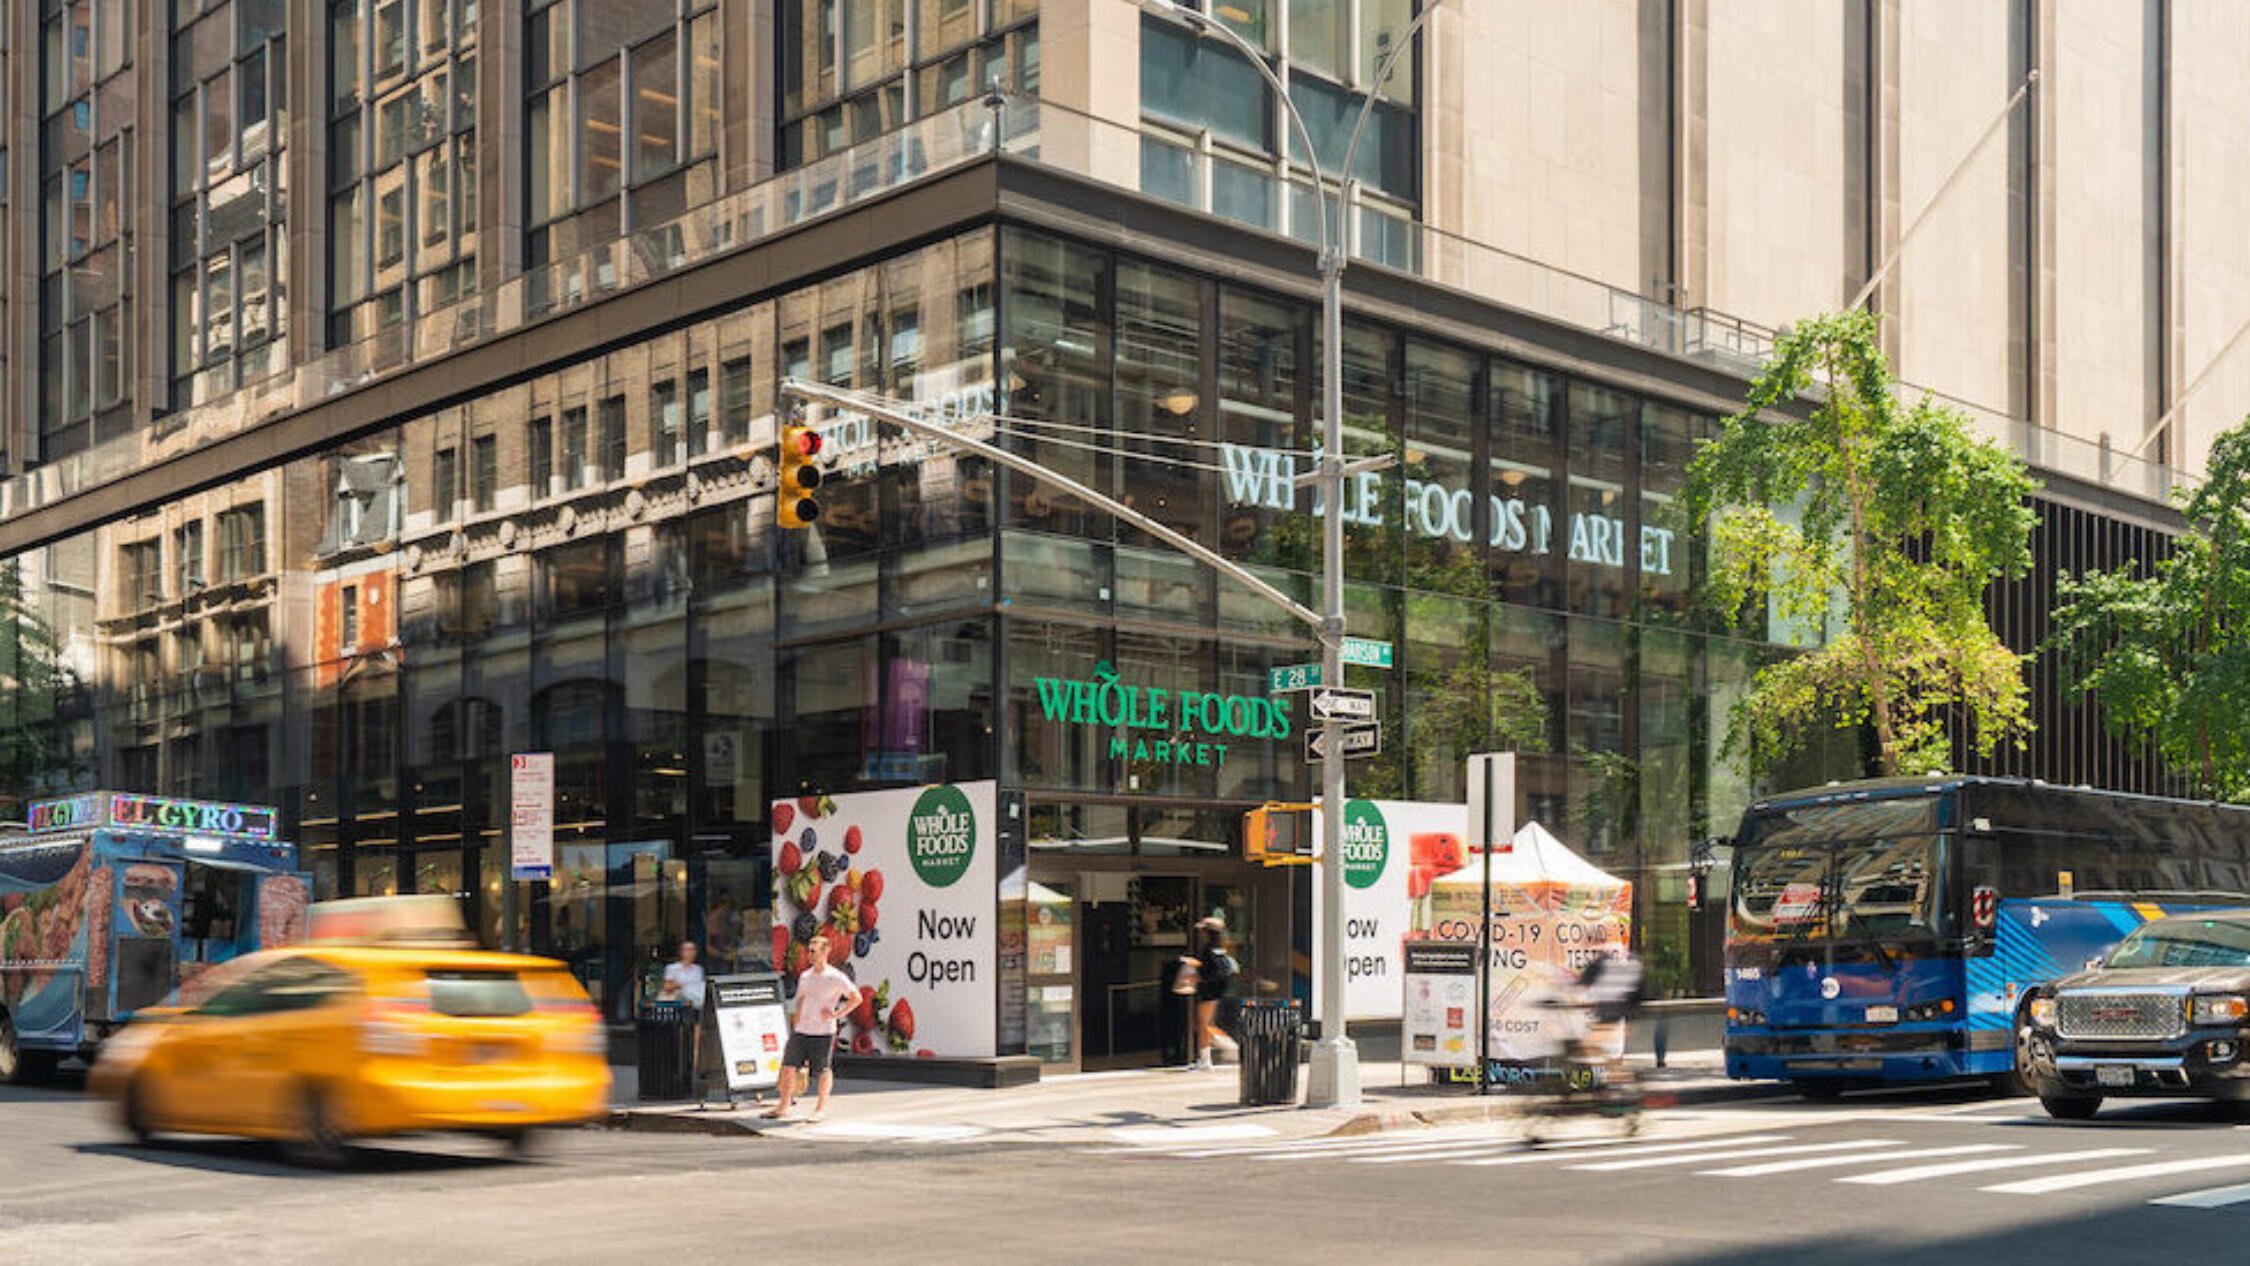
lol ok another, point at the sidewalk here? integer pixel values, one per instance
(1149, 1105)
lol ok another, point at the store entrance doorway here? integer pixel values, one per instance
(1133, 929)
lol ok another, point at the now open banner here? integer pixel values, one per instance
(903, 886)
(1393, 851)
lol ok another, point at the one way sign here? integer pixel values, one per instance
(1332, 704)
(1359, 740)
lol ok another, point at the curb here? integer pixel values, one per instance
(704, 1123)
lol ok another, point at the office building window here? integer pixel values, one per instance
(621, 117)
(542, 460)
(613, 439)
(854, 69)
(1214, 139)
(484, 473)
(242, 543)
(187, 558)
(85, 172)
(445, 483)
(402, 172)
(575, 453)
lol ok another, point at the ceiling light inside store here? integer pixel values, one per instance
(1178, 403)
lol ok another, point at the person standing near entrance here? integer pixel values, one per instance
(1214, 981)
(683, 980)
(825, 996)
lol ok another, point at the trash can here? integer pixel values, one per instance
(664, 1035)
(1270, 1033)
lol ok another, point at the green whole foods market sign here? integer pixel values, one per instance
(1153, 723)
(941, 836)
(1367, 843)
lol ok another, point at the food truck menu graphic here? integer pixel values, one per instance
(43, 932)
(903, 885)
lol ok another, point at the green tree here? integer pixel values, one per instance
(2168, 652)
(1886, 521)
(35, 746)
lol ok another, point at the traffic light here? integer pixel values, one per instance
(800, 474)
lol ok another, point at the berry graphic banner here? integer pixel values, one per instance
(903, 886)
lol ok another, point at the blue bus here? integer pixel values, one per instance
(1895, 931)
(111, 901)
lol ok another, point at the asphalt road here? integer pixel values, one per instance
(1921, 1177)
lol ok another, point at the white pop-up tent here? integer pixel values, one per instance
(1552, 913)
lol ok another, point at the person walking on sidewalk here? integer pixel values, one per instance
(1214, 982)
(825, 996)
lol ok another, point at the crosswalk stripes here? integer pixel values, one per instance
(1767, 1168)
(2129, 1173)
(2208, 1198)
(1740, 1153)
(1546, 1156)
(1880, 1162)
(1918, 1173)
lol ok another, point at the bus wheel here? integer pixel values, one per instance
(1820, 1091)
(2071, 1108)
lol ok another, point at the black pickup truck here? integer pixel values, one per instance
(2165, 1015)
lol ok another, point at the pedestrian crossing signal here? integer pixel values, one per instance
(800, 475)
(1279, 834)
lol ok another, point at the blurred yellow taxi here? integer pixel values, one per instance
(354, 1036)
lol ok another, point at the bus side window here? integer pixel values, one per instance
(1980, 868)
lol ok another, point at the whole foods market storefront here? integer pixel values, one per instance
(585, 563)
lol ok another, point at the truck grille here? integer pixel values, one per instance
(2116, 1015)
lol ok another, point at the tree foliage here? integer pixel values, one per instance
(1883, 519)
(2168, 652)
(35, 683)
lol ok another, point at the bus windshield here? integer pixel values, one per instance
(1870, 870)
(2185, 943)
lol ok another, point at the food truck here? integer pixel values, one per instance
(111, 901)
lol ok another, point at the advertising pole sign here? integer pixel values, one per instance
(904, 887)
(1439, 1027)
(1393, 850)
(753, 1023)
(531, 815)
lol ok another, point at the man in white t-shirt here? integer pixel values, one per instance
(683, 980)
(825, 995)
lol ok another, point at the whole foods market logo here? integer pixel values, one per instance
(1177, 727)
(1367, 844)
(941, 836)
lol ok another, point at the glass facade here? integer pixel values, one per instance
(587, 564)
(852, 70)
(86, 101)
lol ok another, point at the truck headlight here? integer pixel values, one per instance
(2043, 1012)
(2220, 1008)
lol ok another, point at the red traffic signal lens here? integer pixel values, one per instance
(802, 440)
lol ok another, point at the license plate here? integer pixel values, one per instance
(2114, 1075)
(502, 1105)
(487, 1052)
(1882, 1015)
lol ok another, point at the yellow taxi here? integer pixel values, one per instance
(348, 1037)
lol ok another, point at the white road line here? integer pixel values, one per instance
(1189, 1135)
(1823, 1162)
(1544, 1155)
(1434, 1151)
(2208, 1198)
(1738, 1154)
(2128, 1173)
(894, 1131)
(1918, 1172)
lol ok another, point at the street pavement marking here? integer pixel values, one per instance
(2127, 1173)
(1437, 1151)
(1737, 1154)
(2208, 1198)
(1915, 1173)
(1825, 1162)
(898, 1131)
(1188, 1136)
(1545, 1155)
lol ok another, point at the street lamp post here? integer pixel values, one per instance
(1334, 1080)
